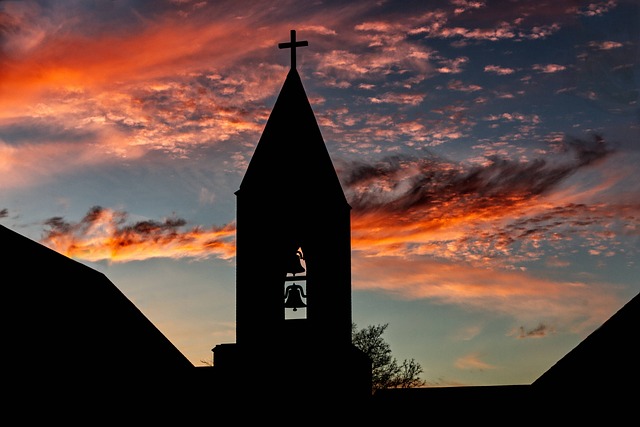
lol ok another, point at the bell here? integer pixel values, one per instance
(293, 297)
(294, 265)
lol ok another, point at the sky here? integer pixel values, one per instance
(489, 151)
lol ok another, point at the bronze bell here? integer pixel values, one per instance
(294, 266)
(293, 297)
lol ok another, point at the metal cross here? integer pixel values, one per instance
(292, 45)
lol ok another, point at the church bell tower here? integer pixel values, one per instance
(293, 259)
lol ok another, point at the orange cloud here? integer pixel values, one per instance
(529, 299)
(500, 214)
(32, 162)
(472, 362)
(104, 234)
(549, 68)
(81, 101)
(605, 45)
(422, 228)
(72, 62)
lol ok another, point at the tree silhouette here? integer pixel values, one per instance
(385, 370)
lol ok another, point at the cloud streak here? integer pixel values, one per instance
(398, 184)
(501, 214)
(428, 200)
(575, 306)
(104, 234)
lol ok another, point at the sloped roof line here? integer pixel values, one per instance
(84, 319)
(606, 357)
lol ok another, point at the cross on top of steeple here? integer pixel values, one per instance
(292, 45)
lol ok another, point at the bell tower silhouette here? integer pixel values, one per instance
(293, 257)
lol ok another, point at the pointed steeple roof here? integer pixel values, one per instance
(291, 151)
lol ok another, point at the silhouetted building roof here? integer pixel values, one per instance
(68, 320)
(595, 380)
(607, 361)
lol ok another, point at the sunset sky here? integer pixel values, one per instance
(489, 150)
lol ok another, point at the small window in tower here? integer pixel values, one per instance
(295, 296)
(295, 288)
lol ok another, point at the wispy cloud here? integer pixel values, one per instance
(104, 234)
(539, 331)
(499, 70)
(472, 362)
(501, 214)
(401, 184)
(576, 306)
(596, 8)
(549, 68)
(605, 45)
(489, 214)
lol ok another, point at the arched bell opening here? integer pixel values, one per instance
(295, 286)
